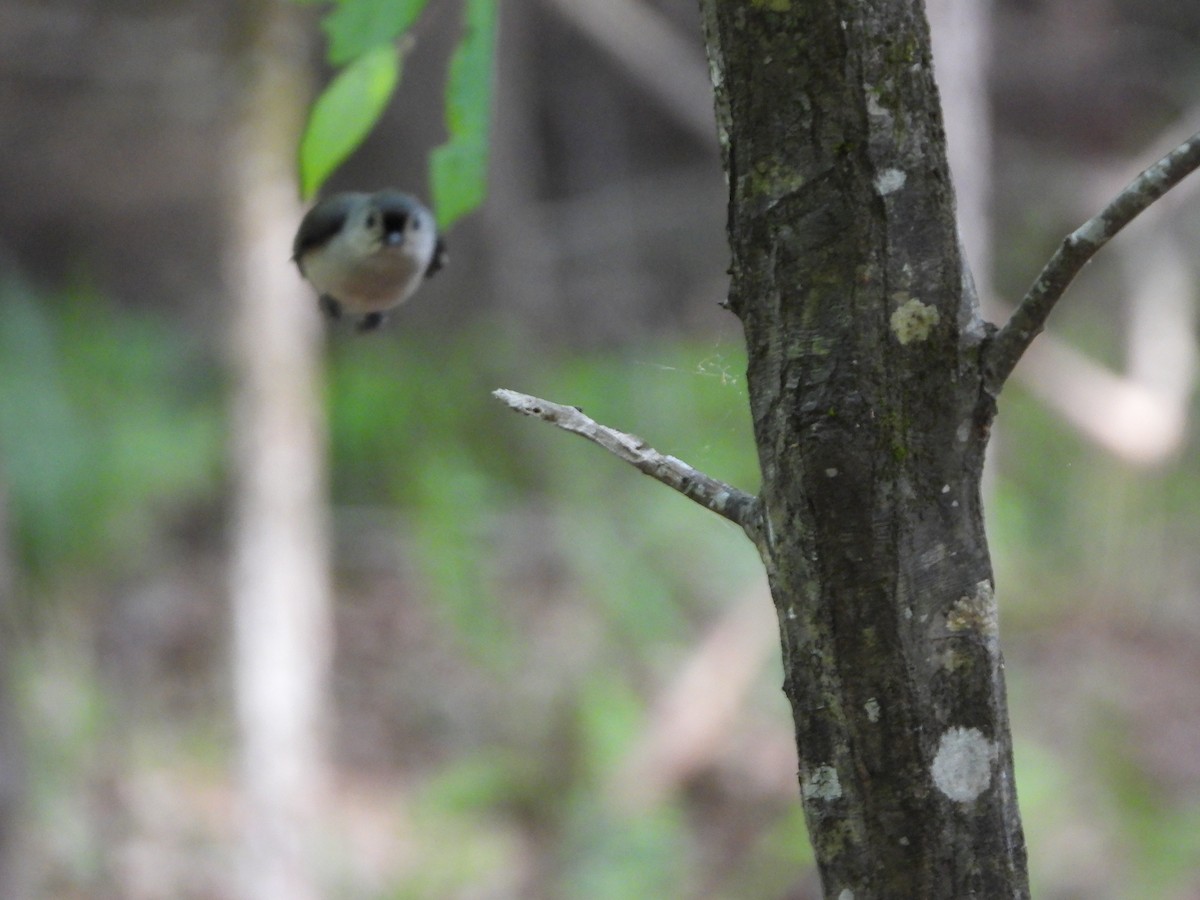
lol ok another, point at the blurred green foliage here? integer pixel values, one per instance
(109, 423)
(345, 113)
(1092, 555)
(355, 27)
(458, 168)
(413, 424)
(1066, 518)
(112, 431)
(363, 45)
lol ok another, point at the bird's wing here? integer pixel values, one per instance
(321, 223)
(439, 259)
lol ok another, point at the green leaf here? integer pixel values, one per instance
(357, 26)
(344, 114)
(458, 168)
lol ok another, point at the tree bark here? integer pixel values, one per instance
(867, 390)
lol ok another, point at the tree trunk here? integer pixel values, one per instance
(871, 419)
(280, 568)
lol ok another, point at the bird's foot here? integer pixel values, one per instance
(438, 261)
(370, 322)
(330, 307)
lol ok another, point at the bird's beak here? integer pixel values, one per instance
(394, 239)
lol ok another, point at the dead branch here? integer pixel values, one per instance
(723, 499)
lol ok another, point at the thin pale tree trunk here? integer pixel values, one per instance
(280, 579)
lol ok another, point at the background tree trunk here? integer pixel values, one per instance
(280, 581)
(866, 390)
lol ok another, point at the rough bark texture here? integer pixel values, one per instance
(871, 420)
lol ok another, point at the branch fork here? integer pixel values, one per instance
(1076, 250)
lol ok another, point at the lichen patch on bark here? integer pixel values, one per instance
(913, 320)
(975, 612)
(822, 783)
(962, 768)
(890, 180)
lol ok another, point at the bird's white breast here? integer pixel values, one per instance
(365, 276)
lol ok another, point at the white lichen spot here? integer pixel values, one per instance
(975, 612)
(791, 614)
(945, 488)
(1092, 231)
(963, 432)
(913, 321)
(962, 767)
(874, 108)
(872, 708)
(822, 784)
(831, 473)
(846, 894)
(890, 180)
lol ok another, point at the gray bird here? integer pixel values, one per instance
(367, 253)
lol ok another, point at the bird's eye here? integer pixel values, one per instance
(372, 220)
